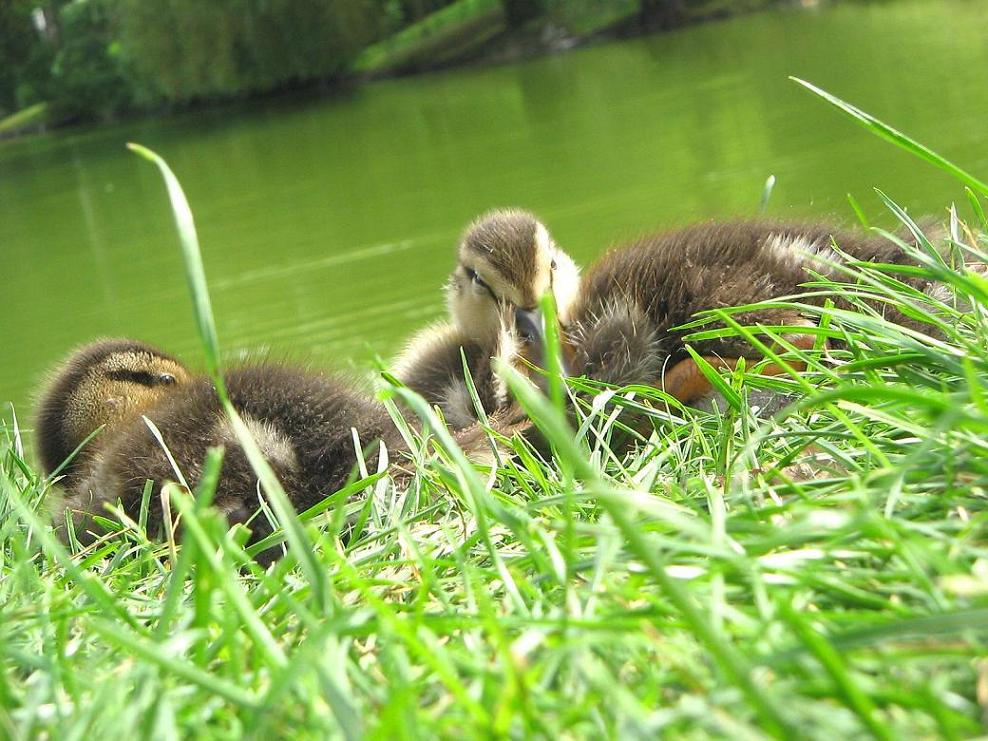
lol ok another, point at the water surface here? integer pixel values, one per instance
(329, 226)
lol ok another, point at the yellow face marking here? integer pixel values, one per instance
(118, 387)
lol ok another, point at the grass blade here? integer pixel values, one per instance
(195, 274)
(298, 542)
(901, 140)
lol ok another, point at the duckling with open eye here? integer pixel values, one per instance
(506, 261)
(301, 420)
(631, 298)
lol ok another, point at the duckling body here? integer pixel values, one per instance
(632, 297)
(506, 261)
(433, 367)
(301, 420)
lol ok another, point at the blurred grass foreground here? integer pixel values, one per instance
(821, 573)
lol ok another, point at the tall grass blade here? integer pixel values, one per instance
(979, 211)
(298, 541)
(897, 137)
(554, 365)
(767, 191)
(195, 274)
(858, 211)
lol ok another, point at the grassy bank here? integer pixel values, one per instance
(475, 30)
(466, 31)
(463, 27)
(820, 573)
(32, 118)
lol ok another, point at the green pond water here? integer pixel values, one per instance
(329, 226)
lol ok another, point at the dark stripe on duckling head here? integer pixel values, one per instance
(506, 241)
(142, 377)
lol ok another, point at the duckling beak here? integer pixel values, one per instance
(531, 327)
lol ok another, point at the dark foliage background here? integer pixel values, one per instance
(96, 59)
(93, 59)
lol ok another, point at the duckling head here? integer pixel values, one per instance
(100, 385)
(507, 262)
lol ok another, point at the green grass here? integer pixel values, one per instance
(817, 574)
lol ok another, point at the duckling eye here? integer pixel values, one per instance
(472, 275)
(552, 265)
(142, 377)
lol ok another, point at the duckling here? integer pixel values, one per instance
(506, 261)
(630, 299)
(301, 420)
(101, 385)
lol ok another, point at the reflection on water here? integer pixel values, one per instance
(329, 226)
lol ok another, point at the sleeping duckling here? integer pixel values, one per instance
(301, 420)
(630, 298)
(506, 261)
(101, 385)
